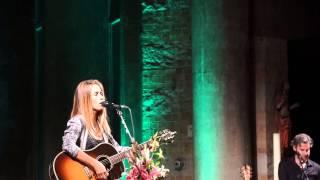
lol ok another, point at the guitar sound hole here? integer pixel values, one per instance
(105, 161)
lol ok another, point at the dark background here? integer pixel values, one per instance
(20, 72)
(31, 71)
(304, 56)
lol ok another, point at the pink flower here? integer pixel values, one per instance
(134, 173)
(145, 174)
(148, 163)
(154, 172)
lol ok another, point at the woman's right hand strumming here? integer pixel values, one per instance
(100, 170)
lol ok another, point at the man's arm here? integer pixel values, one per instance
(282, 171)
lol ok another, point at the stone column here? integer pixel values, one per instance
(271, 69)
(167, 79)
(221, 88)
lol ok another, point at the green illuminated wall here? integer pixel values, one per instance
(208, 90)
(208, 125)
(197, 81)
(167, 79)
(220, 88)
(166, 70)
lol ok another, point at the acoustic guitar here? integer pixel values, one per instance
(64, 167)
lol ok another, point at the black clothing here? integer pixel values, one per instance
(289, 170)
(93, 142)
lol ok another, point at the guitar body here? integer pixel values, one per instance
(64, 167)
(67, 168)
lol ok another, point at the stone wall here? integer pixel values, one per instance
(167, 78)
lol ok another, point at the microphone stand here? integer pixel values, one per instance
(125, 125)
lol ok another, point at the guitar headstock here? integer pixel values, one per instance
(164, 136)
(246, 172)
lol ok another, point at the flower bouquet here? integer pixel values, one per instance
(146, 164)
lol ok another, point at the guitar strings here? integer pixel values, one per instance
(117, 158)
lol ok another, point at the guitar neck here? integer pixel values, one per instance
(165, 136)
(123, 155)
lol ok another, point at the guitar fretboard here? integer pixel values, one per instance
(123, 155)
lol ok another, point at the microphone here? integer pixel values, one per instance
(108, 104)
(117, 107)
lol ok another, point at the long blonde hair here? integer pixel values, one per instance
(82, 105)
